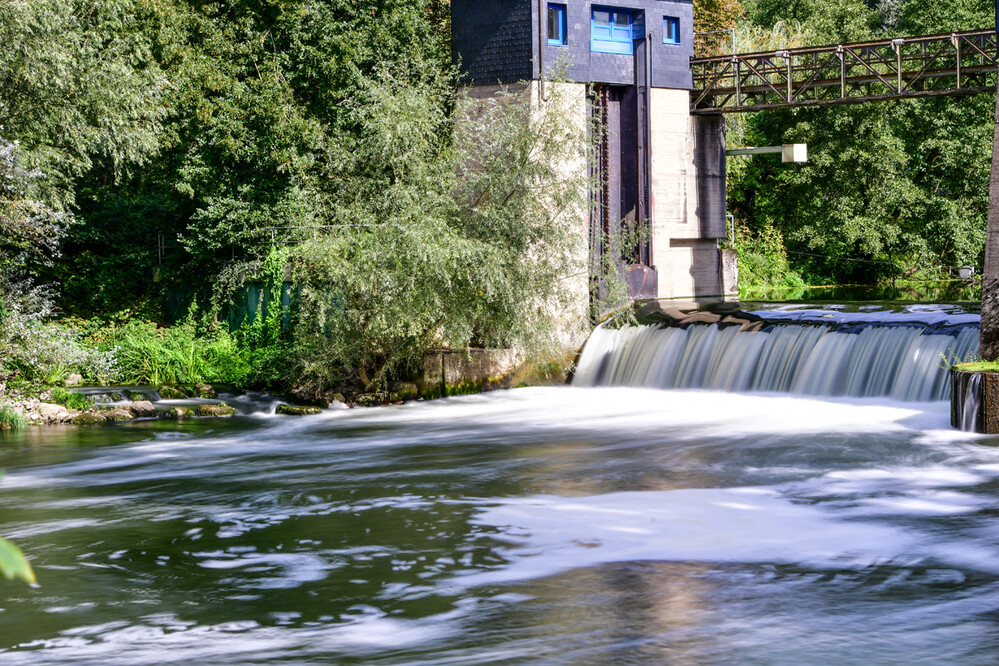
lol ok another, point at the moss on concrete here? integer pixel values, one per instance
(978, 366)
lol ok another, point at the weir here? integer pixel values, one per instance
(900, 356)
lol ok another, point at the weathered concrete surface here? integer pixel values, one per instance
(688, 200)
(567, 100)
(454, 372)
(990, 403)
(986, 418)
(730, 272)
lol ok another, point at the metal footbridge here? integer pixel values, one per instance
(961, 63)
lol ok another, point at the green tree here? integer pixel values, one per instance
(891, 188)
(80, 89)
(441, 242)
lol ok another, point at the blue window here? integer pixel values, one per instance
(671, 30)
(557, 33)
(610, 31)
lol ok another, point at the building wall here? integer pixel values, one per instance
(688, 198)
(494, 40)
(501, 42)
(498, 41)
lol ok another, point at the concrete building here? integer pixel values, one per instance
(657, 169)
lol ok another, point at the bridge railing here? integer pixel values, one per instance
(949, 64)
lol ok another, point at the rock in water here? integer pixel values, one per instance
(298, 410)
(215, 410)
(142, 408)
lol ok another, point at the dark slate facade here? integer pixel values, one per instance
(503, 41)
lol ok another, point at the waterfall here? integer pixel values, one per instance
(971, 403)
(906, 361)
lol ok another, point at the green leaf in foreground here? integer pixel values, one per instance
(12, 563)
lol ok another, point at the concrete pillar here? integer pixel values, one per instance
(688, 199)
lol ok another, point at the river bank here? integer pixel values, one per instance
(445, 373)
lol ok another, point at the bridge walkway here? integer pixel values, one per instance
(963, 63)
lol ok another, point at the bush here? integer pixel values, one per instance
(61, 396)
(39, 351)
(763, 260)
(151, 355)
(441, 243)
(11, 420)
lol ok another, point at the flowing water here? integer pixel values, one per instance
(902, 355)
(561, 525)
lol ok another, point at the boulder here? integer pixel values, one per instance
(371, 399)
(176, 413)
(215, 410)
(52, 412)
(205, 391)
(74, 380)
(142, 408)
(168, 392)
(89, 418)
(298, 410)
(119, 414)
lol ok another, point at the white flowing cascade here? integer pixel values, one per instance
(900, 362)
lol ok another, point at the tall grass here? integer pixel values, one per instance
(11, 420)
(147, 354)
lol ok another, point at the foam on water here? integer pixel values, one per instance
(549, 534)
(431, 532)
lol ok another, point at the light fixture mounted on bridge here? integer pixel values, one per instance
(790, 152)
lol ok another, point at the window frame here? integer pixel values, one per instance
(613, 40)
(563, 30)
(673, 21)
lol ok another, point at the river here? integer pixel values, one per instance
(544, 525)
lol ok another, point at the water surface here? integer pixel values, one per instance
(556, 525)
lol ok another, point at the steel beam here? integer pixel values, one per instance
(962, 63)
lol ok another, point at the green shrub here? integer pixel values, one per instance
(763, 260)
(61, 396)
(39, 351)
(147, 354)
(11, 420)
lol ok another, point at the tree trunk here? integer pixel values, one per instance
(989, 347)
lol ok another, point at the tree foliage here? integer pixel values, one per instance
(441, 243)
(891, 189)
(230, 128)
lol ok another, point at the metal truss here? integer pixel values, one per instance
(962, 63)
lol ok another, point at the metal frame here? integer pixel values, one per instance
(963, 63)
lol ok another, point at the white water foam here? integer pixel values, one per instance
(902, 362)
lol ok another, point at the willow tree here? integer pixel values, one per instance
(441, 237)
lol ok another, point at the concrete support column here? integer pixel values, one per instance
(688, 199)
